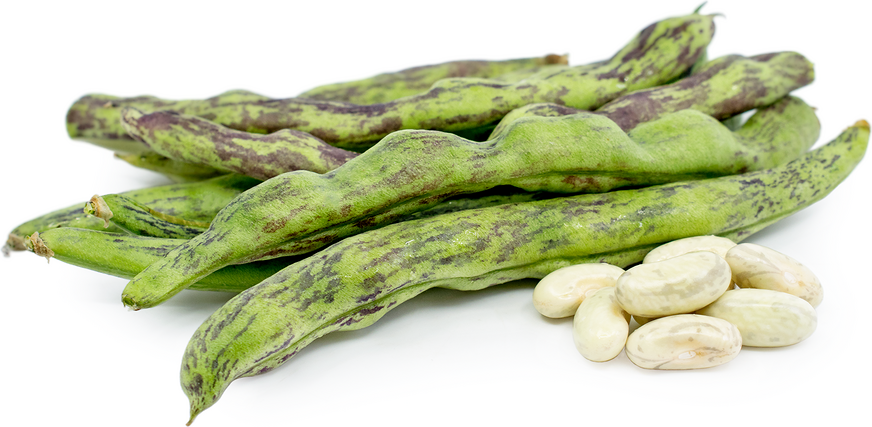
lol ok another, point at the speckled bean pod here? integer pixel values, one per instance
(410, 171)
(659, 54)
(353, 283)
(390, 86)
(765, 318)
(191, 139)
(723, 88)
(685, 341)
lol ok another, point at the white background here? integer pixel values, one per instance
(71, 353)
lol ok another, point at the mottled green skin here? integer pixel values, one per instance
(124, 255)
(198, 201)
(195, 140)
(176, 170)
(410, 171)
(135, 218)
(659, 54)
(96, 118)
(411, 81)
(722, 88)
(353, 283)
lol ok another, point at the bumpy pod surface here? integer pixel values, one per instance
(413, 170)
(197, 201)
(723, 88)
(355, 282)
(195, 140)
(659, 54)
(124, 255)
(390, 86)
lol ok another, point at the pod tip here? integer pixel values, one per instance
(14, 243)
(863, 124)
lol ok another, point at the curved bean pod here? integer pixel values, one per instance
(413, 170)
(390, 86)
(355, 282)
(723, 88)
(660, 53)
(195, 140)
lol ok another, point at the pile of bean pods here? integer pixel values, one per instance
(327, 210)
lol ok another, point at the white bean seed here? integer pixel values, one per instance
(756, 266)
(713, 244)
(600, 327)
(685, 341)
(765, 318)
(682, 284)
(560, 293)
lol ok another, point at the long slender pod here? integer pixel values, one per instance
(411, 171)
(390, 86)
(124, 255)
(659, 54)
(198, 201)
(722, 88)
(192, 139)
(95, 118)
(353, 283)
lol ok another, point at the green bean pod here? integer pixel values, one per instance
(722, 88)
(176, 170)
(95, 118)
(191, 139)
(659, 54)
(390, 86)
(124, 255)
(355, 282)
(411, 171)
(136, 218)
(198, 201)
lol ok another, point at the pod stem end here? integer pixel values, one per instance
(37, 245)
(98, 207)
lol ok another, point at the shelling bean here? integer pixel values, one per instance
(600, 327)
(765, 318)
(755, 266)
(714, 244)
(559, 293)
(679, 285)
(685, 341)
